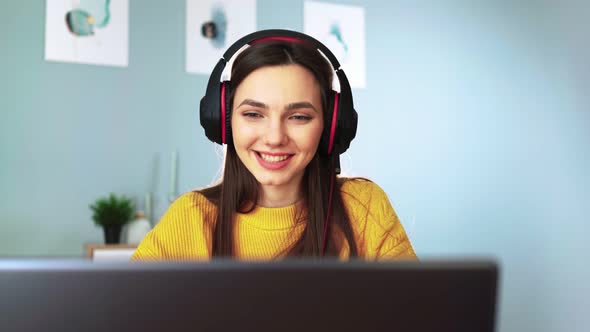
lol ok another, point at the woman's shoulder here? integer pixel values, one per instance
(183, 232)
(193, 201)
(365, 200)
(191, 209)
(380, 232)
(361, 189)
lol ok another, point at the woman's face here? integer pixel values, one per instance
(277, 124)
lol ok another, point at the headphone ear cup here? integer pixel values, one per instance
(228, 106)
(347, 116)
(327, 133)
(210, 114)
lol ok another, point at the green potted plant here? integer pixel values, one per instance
(111, 213)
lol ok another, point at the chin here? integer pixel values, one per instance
(270, 181)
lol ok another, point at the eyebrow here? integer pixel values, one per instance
(289, 107)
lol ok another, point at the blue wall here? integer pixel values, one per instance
(475, 121)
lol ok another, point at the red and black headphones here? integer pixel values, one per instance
(215, 110)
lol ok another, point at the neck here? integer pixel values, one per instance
(278, 196)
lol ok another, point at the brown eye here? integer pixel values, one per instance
(302, 118)
(251, 115)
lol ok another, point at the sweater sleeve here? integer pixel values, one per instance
(183, 233)
(381, 235)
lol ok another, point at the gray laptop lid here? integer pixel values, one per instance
(50, 295)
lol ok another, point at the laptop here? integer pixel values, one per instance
(78, 295)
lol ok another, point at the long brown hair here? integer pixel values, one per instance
(239, 190)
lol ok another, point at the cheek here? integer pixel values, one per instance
(309, 140)
(242, 135)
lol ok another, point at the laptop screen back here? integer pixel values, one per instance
(48, 295)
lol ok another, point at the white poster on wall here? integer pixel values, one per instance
(212, 26)
(342, 29)
(87, 31)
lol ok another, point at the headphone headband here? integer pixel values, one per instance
(215, 115)
(280, 34)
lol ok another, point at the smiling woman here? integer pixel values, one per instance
(280, 195)
(277, 128)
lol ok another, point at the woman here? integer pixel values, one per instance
(280, 195)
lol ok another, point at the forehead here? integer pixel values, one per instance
(291, 82)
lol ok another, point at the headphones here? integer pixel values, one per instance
(215, 110)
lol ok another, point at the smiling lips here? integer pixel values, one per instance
(273, 162)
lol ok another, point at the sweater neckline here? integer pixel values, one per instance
(275, 218)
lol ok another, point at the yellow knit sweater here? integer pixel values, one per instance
(185, 232)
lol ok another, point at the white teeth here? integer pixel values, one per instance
(273, 159)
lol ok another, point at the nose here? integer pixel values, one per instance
(276, 134)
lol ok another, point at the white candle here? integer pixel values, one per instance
(148, 206)
(172, 191)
